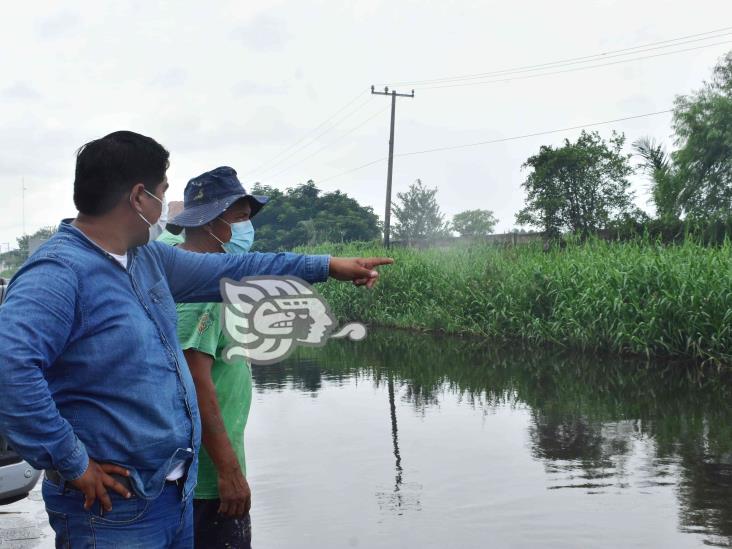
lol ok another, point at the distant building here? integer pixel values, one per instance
(174, 208)
(34, 243)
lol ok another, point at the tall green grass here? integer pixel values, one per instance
(630, 297)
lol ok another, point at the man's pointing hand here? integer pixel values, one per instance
(360, 270)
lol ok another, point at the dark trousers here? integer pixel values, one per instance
(211, 530)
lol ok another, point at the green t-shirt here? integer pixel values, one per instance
(199, 327)
(170, 238)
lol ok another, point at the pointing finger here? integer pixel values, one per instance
(376, 261)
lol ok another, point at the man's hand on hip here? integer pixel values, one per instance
(95, 481)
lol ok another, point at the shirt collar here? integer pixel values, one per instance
(67, 228)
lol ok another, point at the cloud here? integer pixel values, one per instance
(58, 24)
(250, 87)
(267, 125)
(19, 90)
(33, 146)
(173, 77)
(264, 33)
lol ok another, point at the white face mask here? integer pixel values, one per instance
(157, 228)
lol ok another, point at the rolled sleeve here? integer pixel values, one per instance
(75, 464)
(317, 267)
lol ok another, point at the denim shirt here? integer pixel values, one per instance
(90, 364)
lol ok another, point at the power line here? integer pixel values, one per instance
(311, 137)
(328, 145)
(344, 107)
(530, 76)
(570, 63)
(315, 137)
(597, 56)
(306, 140)
(354, 169)
(500, 140)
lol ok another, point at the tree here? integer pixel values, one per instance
(418, 216)
(666, 185)
(579, 187)
(703, 125)
(13, 259)
(474, 223)
(302, 215)
(43, 233)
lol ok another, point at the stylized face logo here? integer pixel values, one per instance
(302, 318)
(267, 317)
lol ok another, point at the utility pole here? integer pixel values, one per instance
(22, 184)
(387, 214)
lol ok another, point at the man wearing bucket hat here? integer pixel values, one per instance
(93, 383)
(207, 196)
(216, 218)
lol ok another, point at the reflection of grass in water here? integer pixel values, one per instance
(621, 297)
(586, 411)
(667, 403)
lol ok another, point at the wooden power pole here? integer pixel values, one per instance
(387, 214)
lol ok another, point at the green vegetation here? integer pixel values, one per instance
(417, 214)
(666, 186)
(13, 259)
(303, 216)
(623, 297)
(474, 223)
(579, 187)
(704, 140)
(694, 181)
(582, 187)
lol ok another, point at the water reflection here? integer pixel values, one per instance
(592, 421)
(399, 499)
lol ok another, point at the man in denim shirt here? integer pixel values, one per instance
(93, 383)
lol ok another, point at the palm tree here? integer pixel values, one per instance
(666, 186)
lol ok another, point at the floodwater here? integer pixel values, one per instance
(415, 441)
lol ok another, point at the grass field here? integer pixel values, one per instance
(631, 297)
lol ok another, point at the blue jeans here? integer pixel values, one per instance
(164, 522)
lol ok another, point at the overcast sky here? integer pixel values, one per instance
(236, 83)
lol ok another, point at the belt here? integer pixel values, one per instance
(55, 478)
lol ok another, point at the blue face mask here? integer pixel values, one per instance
(242, 237)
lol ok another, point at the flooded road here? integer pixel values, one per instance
(404, 440)
(411, 441)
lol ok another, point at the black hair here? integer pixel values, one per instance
(107, 168)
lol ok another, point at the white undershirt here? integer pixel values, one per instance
(121, 259)
(180, 469)
(178, 472)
